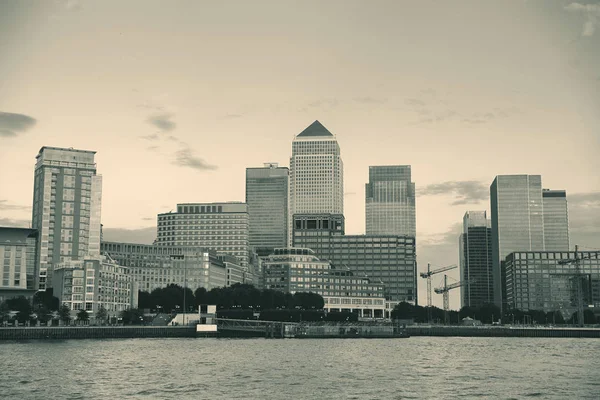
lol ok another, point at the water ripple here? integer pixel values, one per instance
(415, 368)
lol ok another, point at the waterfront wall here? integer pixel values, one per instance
(96, 332)
(502, 331)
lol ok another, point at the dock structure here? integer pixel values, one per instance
(281, 329)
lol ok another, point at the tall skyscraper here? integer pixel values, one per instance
(67, 198)
(517, 222)
(390, 201)
(267, 200)
(221, 227)
(556, 220)
(476, 260)
(316, 174)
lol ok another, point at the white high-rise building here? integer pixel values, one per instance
(316, 174)
(66, 208)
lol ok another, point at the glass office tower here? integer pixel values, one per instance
(267, 200)
(517, 221)
(556, 220)
(390, 201)
(476, 260)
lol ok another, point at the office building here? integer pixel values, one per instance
(390, 259)
(157, 266)
(390, 201)
(235, 272)
(267, 200)
(517, 221)
(556, 220)
(476, 260)
(66, 208)
(91, 283)
(220, 227)
(535, 280)
(18, 258)
(316, 174)
(293, 270)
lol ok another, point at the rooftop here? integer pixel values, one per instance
(315, 129)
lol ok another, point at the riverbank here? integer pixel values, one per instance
(97, 332)
(130, 332)
(502, 331)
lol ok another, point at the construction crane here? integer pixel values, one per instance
(428, 275)
(446, 288)
(579, 279)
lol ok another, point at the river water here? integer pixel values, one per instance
(415, 368)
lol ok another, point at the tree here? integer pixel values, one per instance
(488, 313)
(4, 311)
(101, 315)
(23, 308)
(64, 314)
(83, 316)
(145, 300)
(403, 310)
(132, 316)
(43, 313)
(200, 296)
(46, 299)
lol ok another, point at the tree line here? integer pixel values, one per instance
(238, 296)
(43, 308)
(487, 314)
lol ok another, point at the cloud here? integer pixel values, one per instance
(323, 104)
(415, 102)
(141, 235)
(591, 13)
(5, 206)
(150, 137)
(152, 148)
(13, 124)
(162, 121)
(465, 192)
(185, 157)
(449, 237)
(370, 100)
(232, 116)
(15, 223)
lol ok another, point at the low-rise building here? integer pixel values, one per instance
(18, 258)
(389, 258)
(157, 266)
(92, 283)
(544, 280)
(294, 270)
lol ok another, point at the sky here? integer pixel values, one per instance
(179, 97)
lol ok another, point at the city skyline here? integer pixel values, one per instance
(155, 131)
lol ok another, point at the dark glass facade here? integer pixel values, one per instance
(476, 260)
(535, 280)
(267, 200)
(390, 201)
(517, 222)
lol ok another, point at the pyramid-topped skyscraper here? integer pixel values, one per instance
(316, 174)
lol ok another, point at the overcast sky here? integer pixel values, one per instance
(179, 97)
